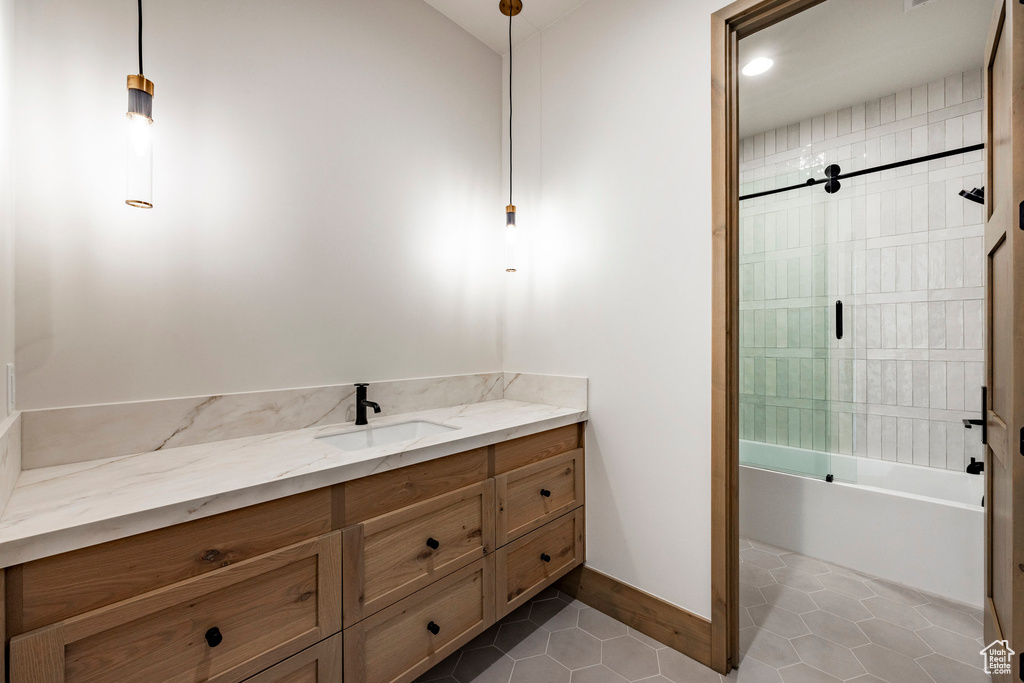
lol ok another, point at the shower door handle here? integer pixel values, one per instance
(983, 422)
(839, 320)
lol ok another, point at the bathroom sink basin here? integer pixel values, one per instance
(368, 437)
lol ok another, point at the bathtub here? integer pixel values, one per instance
(918, 526)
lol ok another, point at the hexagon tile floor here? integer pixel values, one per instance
(802, 621)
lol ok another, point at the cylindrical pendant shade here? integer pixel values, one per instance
(511, 257)
(139, 187)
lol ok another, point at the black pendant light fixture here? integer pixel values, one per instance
(510, 8)
(139, 190)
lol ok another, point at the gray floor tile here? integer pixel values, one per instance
(745, 619)
(945, 670)
(750, 595)
(485, 639)
(629, 658)
(554, 614)
(596, 674)
(801, 673)
(952, 645)
(890, 666)
(830, 627)
(951, 619)
(574, 648)
(773, 650)
(788, 598)
(896, 592)
(840, 605)
(762, 559)
(755, 576)
(753, 671)
(600, 625)
(895, 638)
(679, 668)
(646, 639)
(795, 578)
(895, 613)
(443, 670)
(522, 639)
(804, 564)
(846, 585)
(541, 669)
(484, 665)
(779, 621)
(826, 656)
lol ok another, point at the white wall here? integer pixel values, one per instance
(6, 199)
(613, 122)
(326, 188)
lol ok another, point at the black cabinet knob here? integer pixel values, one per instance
(213, 637)
(545, 493)
(433, 544)
(545, 557)
(433, 628)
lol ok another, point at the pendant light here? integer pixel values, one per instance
(510, 8)
(139, 190)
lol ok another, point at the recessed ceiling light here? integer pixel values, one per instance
(757, 66)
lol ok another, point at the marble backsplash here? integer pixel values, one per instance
(61, 436)
(10, 456)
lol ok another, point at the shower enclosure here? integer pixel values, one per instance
(861, 321)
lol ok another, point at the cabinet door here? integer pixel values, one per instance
(224, 626)
(403, 641)
(534, 562)
(318, 664)
(394, 555)
(529, 497)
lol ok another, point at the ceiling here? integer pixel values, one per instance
(843, 52)
(484, 20)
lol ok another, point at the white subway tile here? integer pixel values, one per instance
(954, 386)
(904, 326)
(919, 100)
(937, 385)
(972, 85)
(920, 314)
(888, 326)
(857, 118)
(937, 444)
(872, 113)
(954, 90)
(888, 283)
(936, 95)
(905, 440)
(937, 265)
(955, 448)
(954, 324)
(903, 105)
(937, 324)
(922, 438)
(974, 324)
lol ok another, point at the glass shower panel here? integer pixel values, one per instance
(785, 371)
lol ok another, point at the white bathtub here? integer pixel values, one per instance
(919, 526)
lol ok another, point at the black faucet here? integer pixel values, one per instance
(975, 467)
(362, 404)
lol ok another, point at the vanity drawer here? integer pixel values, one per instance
(318, 664)
(54, 588)
(535, 561)
(394, 555)
(531, 496)
(225, 626)
(395, 489)
(527, 450)
(408, 638)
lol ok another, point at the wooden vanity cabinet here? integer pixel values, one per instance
(371, 581)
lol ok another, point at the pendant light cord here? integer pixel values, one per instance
(141, 72)
(510, 109)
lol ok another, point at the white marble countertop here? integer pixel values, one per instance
(66, 507)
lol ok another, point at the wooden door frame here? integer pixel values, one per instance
(737, 20)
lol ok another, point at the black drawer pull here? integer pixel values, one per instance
(433, 628)
(433, 544)
(545, 493)
(545, 557)
(213, 637)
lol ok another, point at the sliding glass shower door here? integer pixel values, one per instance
(786, 321)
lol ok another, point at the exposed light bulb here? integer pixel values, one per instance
(139, 186)
(511, 236)
(139, 189)
(757, 66)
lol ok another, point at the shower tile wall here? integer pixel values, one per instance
(905, 254)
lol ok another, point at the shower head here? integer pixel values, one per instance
(977, 195)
